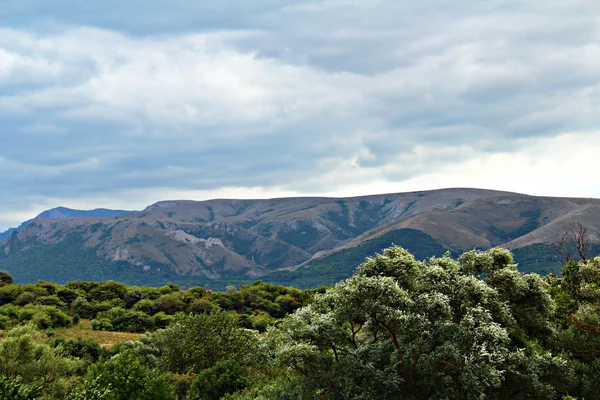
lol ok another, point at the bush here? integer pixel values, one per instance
(213, 383)
(170, 303)
(10, 311)
(14, 389)
(101, 324)
(201, 306)
(86, 349)
(45, 288)
(146, 306)
(162, 320)
(132, 297)
(51, 301)
(182, 384)
(133, 321)
(127, 378)
(41, 320)
(68, 296)
(25, 298)
(108, 290)
(5, 278)
(195, 342)
(9, 292)
(44, 316)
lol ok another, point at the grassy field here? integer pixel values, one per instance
(84, 330)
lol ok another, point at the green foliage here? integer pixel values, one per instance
(109, 290)
(400, 328)
(147, 306)
(131, 297)
(202, 306)
(5, 278)
(119, 319)
(40, 366)
(85, 349)
(9, 292)
(25, 298)
(125, 377)
(196, 342)
(214, 383)
(14, 389)
(44, 317)
(52, 300)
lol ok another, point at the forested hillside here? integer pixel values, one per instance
(470, 327)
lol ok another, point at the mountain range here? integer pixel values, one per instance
(304, 241)
(64, 213)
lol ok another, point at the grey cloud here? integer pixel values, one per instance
(268, 94)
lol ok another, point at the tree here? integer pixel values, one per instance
(38, 365)
(196, 342)
(578, 316)
(14, 389)
(574, 243)
(5, 278)
(223, 378)
(403, 329)
(125, 377)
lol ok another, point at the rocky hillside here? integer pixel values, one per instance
(64, 213)
(217, 242)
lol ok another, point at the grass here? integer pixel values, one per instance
(84, 330)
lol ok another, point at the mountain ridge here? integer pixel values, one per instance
(219, 241)
(61, 212)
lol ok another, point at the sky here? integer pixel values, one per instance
(120, 104)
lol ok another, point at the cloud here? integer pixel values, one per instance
(297, 97)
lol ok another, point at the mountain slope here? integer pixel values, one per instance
(64, 213)
(297, 240)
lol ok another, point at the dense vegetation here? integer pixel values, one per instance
(468, 328)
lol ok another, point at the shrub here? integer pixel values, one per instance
(213, 383)
(162, 320)
(5, 278)
(86, 349)
(51, 301)
(201, 306)
(128, 378)
(25, 298)
(15, 389)
(68, 296)
(9, 292)
(196, 342)
(146, 306)
(108, 290)
(132, 297)
(132, 321)
(101, 324)
(170, 303)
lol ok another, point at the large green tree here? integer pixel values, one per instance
(404, 329)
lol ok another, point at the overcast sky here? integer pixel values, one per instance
(120, 104)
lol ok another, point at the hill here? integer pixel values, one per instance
(64, 213)
(301, 241)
